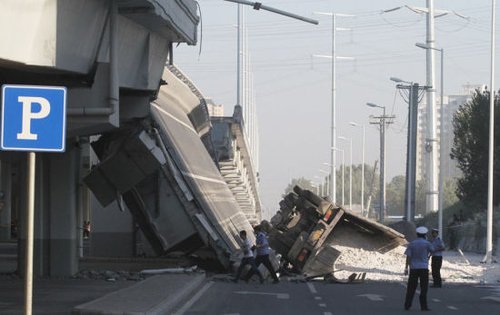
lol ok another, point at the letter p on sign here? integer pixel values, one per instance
(33, 118)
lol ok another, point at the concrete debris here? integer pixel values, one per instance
(222, 277)
(462, 254)
(353, 278)
(109, 275)
(308, 232)
(169, 270)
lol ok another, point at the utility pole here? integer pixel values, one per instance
(431, 139)
(382, 121)
(431, 160)
(411, 151)
(411, 144)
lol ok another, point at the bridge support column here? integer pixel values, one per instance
(56, 215)
(5, 199)
(63, 194)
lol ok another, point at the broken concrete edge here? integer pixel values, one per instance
(164, 306)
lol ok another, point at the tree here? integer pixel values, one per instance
(302, 182)
(305, 183)
(449, 192)
(395, 195)
(356, 184)
(470, 149)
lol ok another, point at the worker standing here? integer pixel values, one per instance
(437, 258)
(417, 258)
(263, 250)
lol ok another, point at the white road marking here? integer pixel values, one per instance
(436, 300)
(327, 313)
(493, 298)
(194, 299)
(372, 297)
(312, 288)
(281, 296)
(318, 298)
(322, 305)
(452, 307)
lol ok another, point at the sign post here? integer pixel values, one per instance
(33, 120)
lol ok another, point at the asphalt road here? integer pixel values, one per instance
(226, 298)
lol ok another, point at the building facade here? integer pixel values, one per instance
(451, 105)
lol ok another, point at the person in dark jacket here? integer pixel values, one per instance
(437, 258)
(417, 258)
(263, 250)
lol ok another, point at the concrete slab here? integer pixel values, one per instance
(156, 295)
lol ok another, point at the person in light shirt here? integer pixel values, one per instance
(248, 258)
(417, 258)
(437, 258)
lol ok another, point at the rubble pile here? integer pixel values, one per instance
(312, 233)
(109, 275)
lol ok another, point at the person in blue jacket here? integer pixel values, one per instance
(417, 258)
(263, 250)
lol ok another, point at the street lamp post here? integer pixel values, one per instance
(441, 138)
(362, 167)
(350, 169)
(325, 190)
(343, 172)
(488, 258)
(333, 144)
(382, 160)
(260, 6)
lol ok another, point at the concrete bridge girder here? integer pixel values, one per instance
(236, 167)
(110, 55)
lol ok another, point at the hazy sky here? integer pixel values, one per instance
(293, 89)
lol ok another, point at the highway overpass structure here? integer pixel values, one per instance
(138, 134)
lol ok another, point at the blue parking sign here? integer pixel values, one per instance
(33, 118)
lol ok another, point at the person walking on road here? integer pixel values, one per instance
(247, 259)
(263, 250)
(417, 258)
(437, 258)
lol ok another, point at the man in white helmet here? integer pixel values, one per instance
(417, 258)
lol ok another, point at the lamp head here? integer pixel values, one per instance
(422, 45)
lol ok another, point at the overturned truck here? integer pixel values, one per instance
(307, 229)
